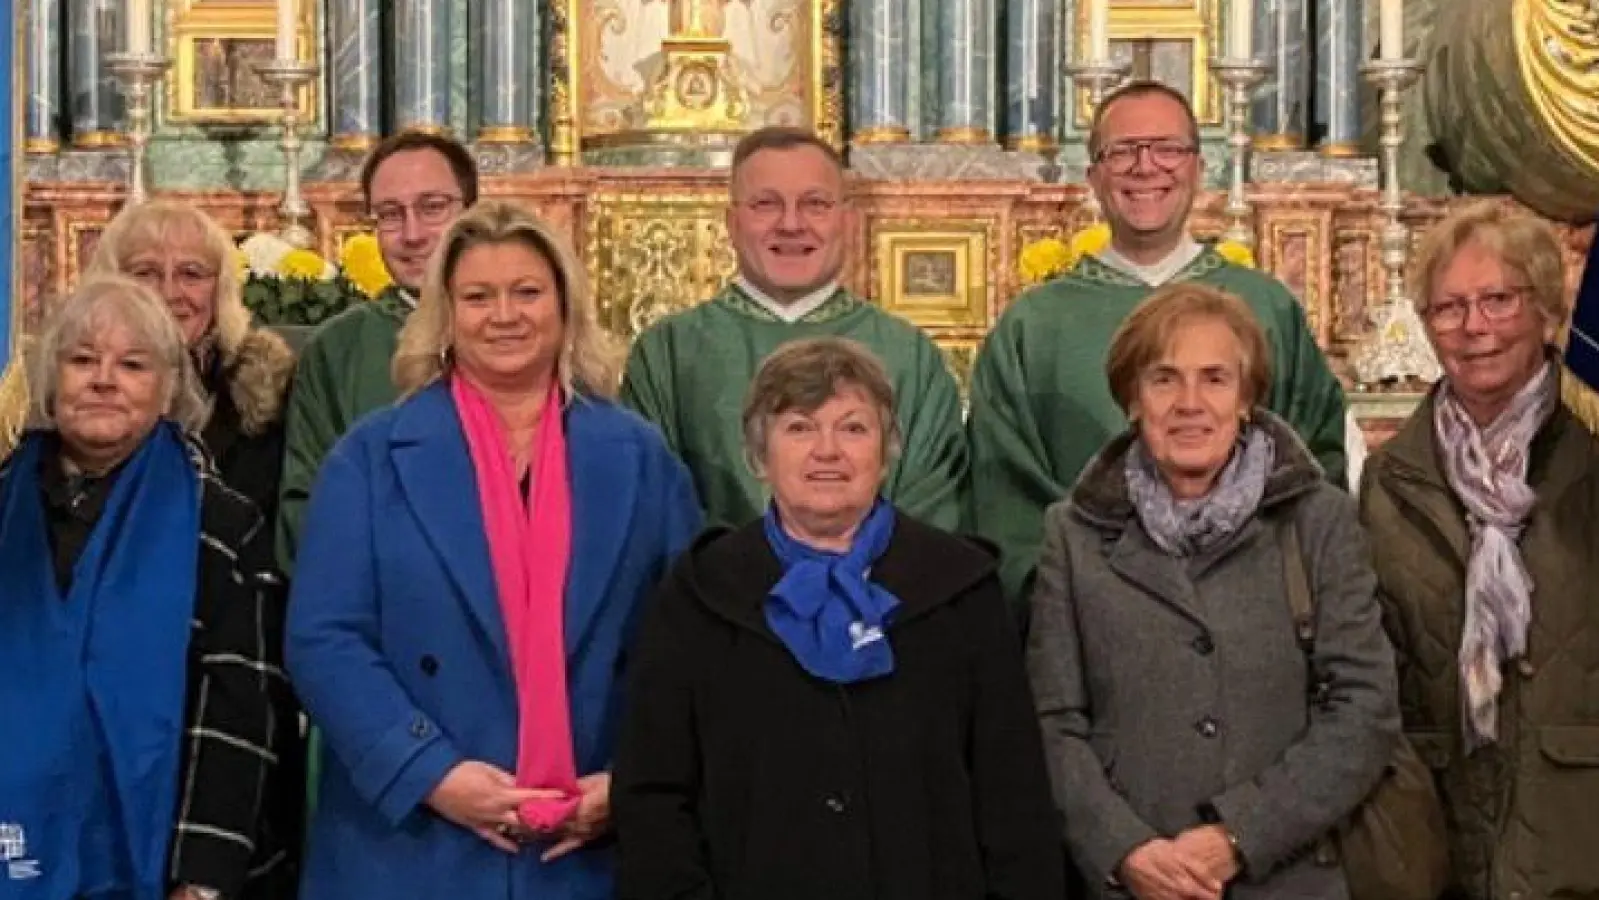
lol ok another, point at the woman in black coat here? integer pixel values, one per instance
(831, 702)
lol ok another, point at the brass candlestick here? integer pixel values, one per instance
(1240, 76)
(291, 76)
(139, 73)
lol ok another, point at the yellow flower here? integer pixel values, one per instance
(362, 262)
(1236, 253)
(1042, 260)
(1090, 241)
(241, 262)
(302, 264)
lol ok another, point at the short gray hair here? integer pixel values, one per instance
(803, 375)
(102, 301)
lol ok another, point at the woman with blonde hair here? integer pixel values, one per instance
(190, 261)
(473, 564)
(141, 674)
(1481, 511)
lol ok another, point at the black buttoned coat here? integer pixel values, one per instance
(741, 777)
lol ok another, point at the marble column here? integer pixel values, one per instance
(94, 29)
(505, 43)
(1031, 27)
(355, 42)
(878, 76)
(1338, 56)
(422, 33)
(965, 67)
(41, 134)
(1282, 39)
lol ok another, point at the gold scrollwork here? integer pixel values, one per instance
(1558, 52)
(935, 274)
(650, 256)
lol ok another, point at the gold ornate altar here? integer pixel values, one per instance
(941, 254)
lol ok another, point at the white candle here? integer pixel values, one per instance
(286, 43)
(1391, 29)
(1098, 30)
(1241, 30)
(138, 33)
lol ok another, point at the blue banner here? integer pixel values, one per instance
(1582, 351)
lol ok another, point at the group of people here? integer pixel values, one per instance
(710, 624)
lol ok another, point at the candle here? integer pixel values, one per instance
(286, 42)
(1391, 29)
(1098, 30)
(138, 33)
(1241, 30)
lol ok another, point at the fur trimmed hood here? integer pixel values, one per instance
(258, 373)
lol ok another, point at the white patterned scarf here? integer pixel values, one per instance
(1190, 527)
(1487, 468)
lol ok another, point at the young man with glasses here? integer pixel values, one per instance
(1040, 406)
(789, 222)
(415, 184)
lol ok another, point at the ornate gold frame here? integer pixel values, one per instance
(826, 88)
(196, 20)
(966, 305)
(1198, 21)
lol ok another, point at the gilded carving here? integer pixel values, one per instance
(651, 256)
(934, 273)
(960, 356)
(216, 47)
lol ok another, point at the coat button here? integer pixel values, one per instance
(420, 728)
(835, 803)
(1526, 668)
(1204, 646)
(430, 666)
(1207, 727)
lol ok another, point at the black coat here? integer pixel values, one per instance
(245, 431)
(741, 777)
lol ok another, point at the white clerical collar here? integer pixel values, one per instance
(406, 297)
(788, 312)
(1155, 274)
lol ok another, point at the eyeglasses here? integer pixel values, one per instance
(430, 209)
(770, 207)
(1165, 153)
(1495, 306)
(185, 275)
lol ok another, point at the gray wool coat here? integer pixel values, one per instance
(1173, 692)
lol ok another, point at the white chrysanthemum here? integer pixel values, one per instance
(264, 252)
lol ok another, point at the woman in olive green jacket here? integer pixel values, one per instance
(1483, 513)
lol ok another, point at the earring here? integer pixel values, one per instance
(446, 353)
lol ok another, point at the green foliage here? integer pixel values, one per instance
(298, 301)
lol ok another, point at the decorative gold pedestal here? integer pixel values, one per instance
(695, 90)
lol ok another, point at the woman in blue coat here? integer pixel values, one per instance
(473, 565)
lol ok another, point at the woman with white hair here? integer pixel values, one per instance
(190, 261)
(139, 628)
(473, 563)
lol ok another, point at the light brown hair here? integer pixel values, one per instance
(1133, 90)
(1147, 334)
(1524, 244)
(802, 376)
(779, 137)
(589, 361)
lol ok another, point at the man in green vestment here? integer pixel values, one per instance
(1040, 406)
(415, 184)
(789, 220)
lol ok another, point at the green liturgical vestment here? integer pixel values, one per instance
(1041, 407)
(342, 375)
(689, 373)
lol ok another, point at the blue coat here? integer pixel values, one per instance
(398, 650)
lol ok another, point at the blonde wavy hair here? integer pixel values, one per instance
(1525, 245)
(163, 224)
(590, 360)
(104, 301)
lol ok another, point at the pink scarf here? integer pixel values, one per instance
(528, 546)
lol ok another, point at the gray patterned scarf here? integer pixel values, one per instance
(1190, 527)
(1487, 468)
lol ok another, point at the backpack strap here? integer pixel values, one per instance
(1301, 602)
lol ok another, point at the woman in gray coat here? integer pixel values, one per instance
(1201, 741)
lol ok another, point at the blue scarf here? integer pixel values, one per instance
(92, 685)
(824, 610)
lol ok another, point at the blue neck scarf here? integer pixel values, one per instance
(92, 685)
(824, 610)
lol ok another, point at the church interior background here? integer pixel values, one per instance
(1334, 132)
